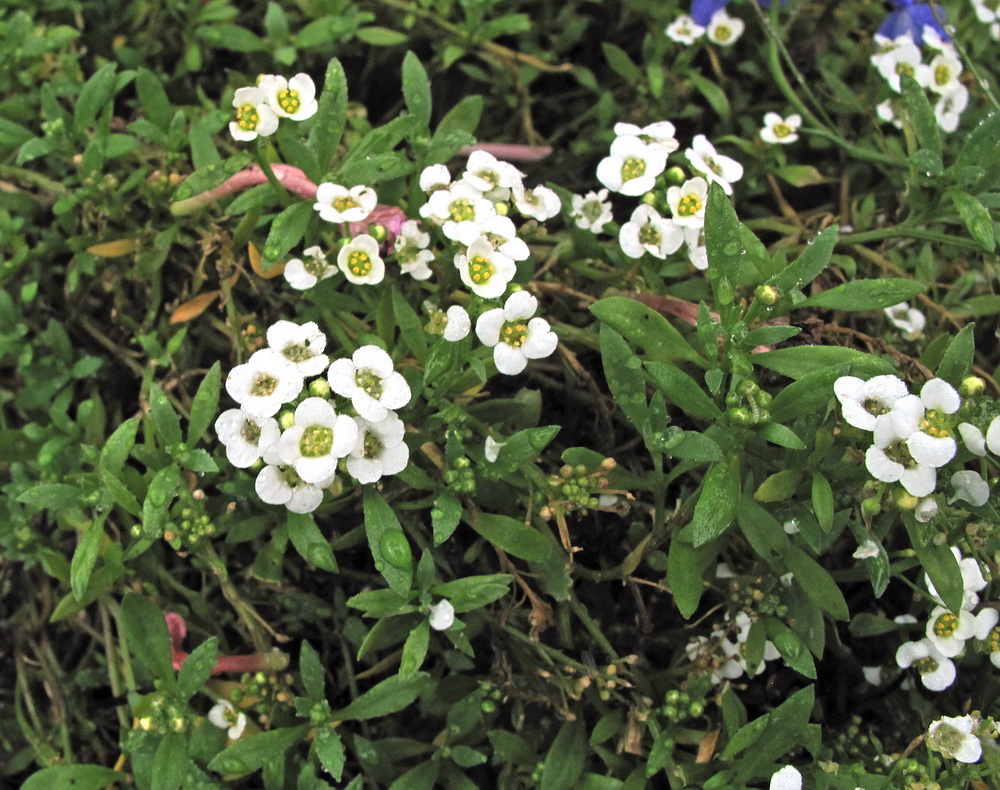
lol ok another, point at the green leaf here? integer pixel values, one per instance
(330, 750)
(646, 328)
(787, 726)
(331, 116)
(781, 435)
(685, 567)
(762, 531)
(810, 263)
(522, 448)
(769, 335)
(714, 95)
(416, 89)
(866, 294)
(801, 175)
(817, 583)
(414, 650)
(717, 504)
(387, 541)
(378, 141)
(513, 536)
(145, 629)
(679, 388)
(153, 98)
(85, 557)
(791, 647)
(287, 230)
(722, 238)
(745, 737)
(868, 624)
(170, 764)
(313, 675)
(161, 493)
(384, 698)
(621, 63)
(445, 515)
(94, 96)
(410, 327)
(51, 496)
(205, 405)
(944, 571)
(120, 493)
(779, 486)
(810, 393)
(168, 424)
(921, 114)
(797, 361)
(694, 446)
(420, 777)
(976, 218)
(380, 36)
(566, 757)
(622, 371)
(454, 130)
(310, 542)
(197, 668)
(252, 752)
(958, 357)
(474, 592)
(822, 501)
(211, 175)
(980, 146)
(512, 748)
(927, 162)
(232, 37)
(72, 777)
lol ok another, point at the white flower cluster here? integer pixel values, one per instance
(988, 13)
(941, 76)
(723, 652)
(302, 453)
(258, 108)
(913, 436)
(722, 29)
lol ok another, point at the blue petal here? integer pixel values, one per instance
(910, 21)
(702, 11)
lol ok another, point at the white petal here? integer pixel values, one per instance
(788, 778)
(442, 615)
(971, 487)
(973, 438)
(931, 450)
(509, 361)
(939, 394)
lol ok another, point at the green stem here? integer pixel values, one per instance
(272, 179)
(908, 232)
(581, 612)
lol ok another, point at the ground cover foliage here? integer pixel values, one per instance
(652, 444)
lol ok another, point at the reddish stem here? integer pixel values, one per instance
(254, 662)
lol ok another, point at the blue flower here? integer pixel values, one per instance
(702, 11)
(909, 19)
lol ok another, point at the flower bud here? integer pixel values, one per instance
(872, 506)
(675, 176)
(286, 420)
(768, 294)
(904, 500)
(319, 388)
(971, 386)
(378, 232)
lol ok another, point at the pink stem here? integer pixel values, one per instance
(254, 662)
(291, 178)
(509, 151)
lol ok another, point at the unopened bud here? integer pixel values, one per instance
(971, 386)
(905, 500)
(675, 176)
(286, 420)
(378, 232)
(319, 388)
(768, 294)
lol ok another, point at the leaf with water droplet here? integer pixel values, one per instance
(387, 542)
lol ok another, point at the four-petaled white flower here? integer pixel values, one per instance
(303, 273)
(318, 440)
(778, 130)
(898, 57)
(278, 485)
(459, 202)
(632, 166)
(244, 437)
(442, 615)
(264, 382)
(254, 116)
(485, 172)
(592, 211)
(380, 449)
(687, 202)
(514, 334)
(948, 631)
(937, 672)
(952, 736)
(224, 716)
(302, 345)
(723, 29)
(369, 379)
(540, 203)
(336, 203)
(646, 231)
(660, 133)
(907, 319)
(861, 402)
(457, 325)
(949, 108)
(434, 177)
(360, 261)
(713, 165)
(684, 30)
(485, 270)
(946, 69)
(499, 231)
(294, 98)
(411, 250)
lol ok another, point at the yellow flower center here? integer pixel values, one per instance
(461, 210)
(714, 166)
(905, 68)
(370, 382)
(481, 270)
(316, 441)
(359, 263)
(689, 205)
(942, 75)
(344, 203)
(633, 167)
(297, 352)
(648, 234)
(782, 130)
(723, 33)
(514, 333)
(289, 101)
(945, 625)
(263, 385)
(250, 432)
(247, 117)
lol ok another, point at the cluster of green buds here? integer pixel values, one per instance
(914, 775)
(190, 531)
(491, 696)
(757, 596)
(605, 680)
(158, 713)
(579, 488)
(747, 404)
(460, 476)
(679, 706)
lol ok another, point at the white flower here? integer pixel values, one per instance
(714, 166)
(861, 402)
(632, 166)
(592, 211)
(491, 449)
(264, 382)
(360, 261)
(972, 580)
(660, 133)
(460, 202)
(224, 716)
(780, 130)
(244, 437)
(515, 336)
(988, 633)
(301, 345)
(282, 486)
(948, 631)
(926, 510)
(937, 672)
(498, 231)
(984, 13)
(724, 29)
(687, 202)
(540, 203)
(866, 550)
(458, 324)
(646, 231)
(485, 172)
(369, 380)
(887, 114)
(898, 465)
(254, 115)
(302, 274)
(908, 319)
(993, 436)
(336, 203)
(949, 108)
(411, 250)
(901, 56)
(318, 440)
(442, 615)
(380, 449)
(971, 487)
(788, 778)
(697, 251)
(684, 30)
(434, 177)
(952, 736)
(945, 72)
(294, 98)
(973, 438)
(485, 270)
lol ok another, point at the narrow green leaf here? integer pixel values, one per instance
(197, 668)
(867, 294)
(762, 531)
(120, 493)
(781, 435)
(513, 536)
(921, 114)
(522, 448)
(976, 218)
(679, 388)
(717, 504)
(621, 63)
(51, 496)
(445, 515)
(310, 542)
(810, 263)
(72, 777)
(454, 130)
(153, 98)
(330, 750)
(205, 405)
(793, 650)
(822, 501)
(787, 727)
(94, 95)
(85, 557)
(416, 89)
(384, 698)
(980, 146)
(566, 757)
(474, 592)
(623, 373)
(944, 571)
(646, 328)
(162, 490)
(387, 541)
(287, 230)
(168, 424)
(714, 95)
(145, 629)
(722, 237)
(312, 672)
(410, 326)
(414, 650)
(817, 583)
(252, 752)
(512, 748)
(958, 357)
(685, 568)
(797, 361)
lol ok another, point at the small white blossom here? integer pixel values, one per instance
(778, 130)
(907, 319)
(723, 29)
(949, 108)
(302, 345)
(380, 450)
(318, 440)
(514, 334)
(254, 116)
(866, 550)
(632, 166)
(336, 203)
(901, 56)
(592, 211)
(788, 778)
(684, 30)
(945, 72)
(294, 98)
(646, 231)
(660, 133)
(460, 202)
(885, 112)
(697, 250)
(926, 510)
(224, 716)
(244, 437)
(861, 402)
(714, 166)
(993, 436)
(485, 172)
(988, 633)
(952, 736)
(498, 231)
(434, 177)
(277, 485)
(369, 379)
(948, 632)
(264, 382)
(304, 273)
(411, 250)
(937, 672)
(360, 261)
(687, 202)
(484, 270)
(458, 323)
(442, 615)
(540, 203)
(971, 487)
(491, 449)
(973, 438)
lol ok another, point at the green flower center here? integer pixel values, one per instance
(648, 234)
(592, 210)
(514, 333)
(359, 263)
(231, 716)
(926, 665)
(247, 117)
(481, 270)
(942, 75)
(905, 69)
(289, 101)
(714, 166)
(633, 167)
(992, 640)
(370, 382)
(876, 408)
(782, 130)
(316, 441)
(723, 33)
(372, 445)
(297, 352)
(263, 385)
(689, 205)
(936, 424)
(491, 177)
(945, 625)
(461, 210)
(344, 203)
(900, 453)
(250, 432)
